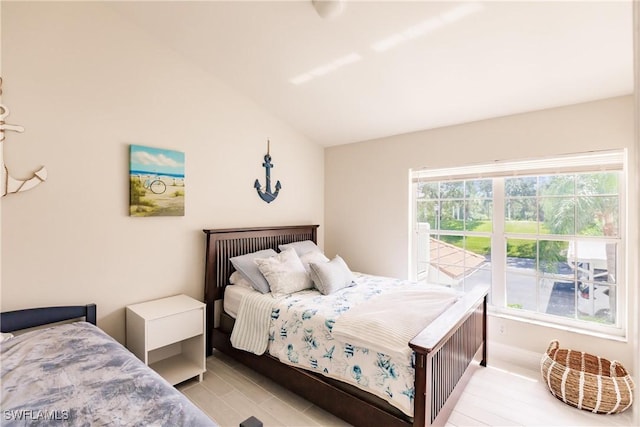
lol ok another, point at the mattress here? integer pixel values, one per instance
(233, 295)
(76, 375)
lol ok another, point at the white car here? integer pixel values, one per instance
(593, 299)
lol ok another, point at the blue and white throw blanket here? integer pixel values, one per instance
(302, 332)
(76, 375)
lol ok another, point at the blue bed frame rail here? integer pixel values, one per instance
(31, 317)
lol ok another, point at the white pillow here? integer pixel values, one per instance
(301, 248)
(238, 279)
(4, 336)
(313, 256)
(285, 273)
(329, 277)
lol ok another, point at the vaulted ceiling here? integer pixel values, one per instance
(389, 67)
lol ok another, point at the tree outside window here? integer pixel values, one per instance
(560, 236)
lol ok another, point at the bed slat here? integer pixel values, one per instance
(450, 362)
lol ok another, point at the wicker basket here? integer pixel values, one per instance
(585, 381)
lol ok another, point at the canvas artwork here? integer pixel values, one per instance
(157, 184)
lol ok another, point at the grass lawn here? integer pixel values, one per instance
(520, 248)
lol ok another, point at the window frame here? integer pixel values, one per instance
(593, 162)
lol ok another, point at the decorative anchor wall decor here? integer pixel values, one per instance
(267, 195)
(11, 184)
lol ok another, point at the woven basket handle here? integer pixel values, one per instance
(614, 365)
(553, 345)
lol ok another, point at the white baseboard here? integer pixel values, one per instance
(499, 354)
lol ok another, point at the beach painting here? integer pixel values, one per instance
(156, 178)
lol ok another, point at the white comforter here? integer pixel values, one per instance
(301, 330)
(387, 322)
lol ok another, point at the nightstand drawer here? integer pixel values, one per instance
(174, 328)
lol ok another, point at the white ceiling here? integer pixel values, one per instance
(389, 67)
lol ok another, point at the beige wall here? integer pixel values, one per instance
(635, 331)
(367, 192)
(85, 84)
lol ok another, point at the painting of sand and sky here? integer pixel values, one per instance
(157, 185)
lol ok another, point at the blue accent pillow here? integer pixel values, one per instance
(246, 265)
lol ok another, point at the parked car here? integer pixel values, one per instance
(594, 303)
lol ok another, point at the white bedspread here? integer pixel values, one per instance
(387, 322)
(299, 329)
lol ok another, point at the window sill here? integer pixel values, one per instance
(495, 312)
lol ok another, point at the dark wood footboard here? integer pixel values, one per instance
(445, 351)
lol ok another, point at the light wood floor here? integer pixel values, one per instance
(494, 396)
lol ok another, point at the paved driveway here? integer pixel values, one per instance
(523, 291)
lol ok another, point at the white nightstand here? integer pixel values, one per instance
(168, 335)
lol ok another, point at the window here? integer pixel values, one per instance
(546, 234)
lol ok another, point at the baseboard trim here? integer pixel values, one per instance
(502, 354)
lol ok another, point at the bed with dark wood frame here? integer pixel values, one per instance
(445, 350)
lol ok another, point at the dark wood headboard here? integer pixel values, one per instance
(11, 321)
(226, 243)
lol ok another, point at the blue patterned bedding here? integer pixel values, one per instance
(76, 375)
(301, 335)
